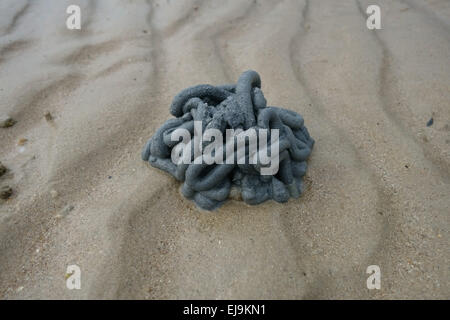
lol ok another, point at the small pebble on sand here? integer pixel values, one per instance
(430, 122)
(48, 116)
(5, 192)
(6, 122)
(22, 142)
(3, 169)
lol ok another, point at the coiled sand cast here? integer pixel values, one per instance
(234, 106)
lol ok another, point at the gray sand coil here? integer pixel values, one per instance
(240, 106)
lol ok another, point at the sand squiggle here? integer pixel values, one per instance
(240, 106)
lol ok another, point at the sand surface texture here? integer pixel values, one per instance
(377, 190)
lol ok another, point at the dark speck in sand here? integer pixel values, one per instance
(48, 116)
(430, 122)
(6, 122)
(109, 177)
(3, 169)
(5, 192)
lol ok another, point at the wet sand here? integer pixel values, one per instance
(377, 187)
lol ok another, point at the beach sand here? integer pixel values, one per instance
(377, 186)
